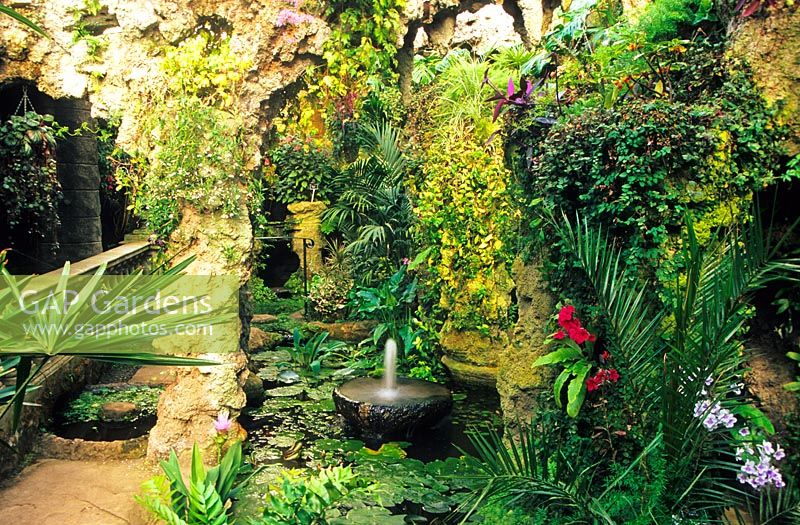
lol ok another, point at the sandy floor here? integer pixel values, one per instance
(60, 492)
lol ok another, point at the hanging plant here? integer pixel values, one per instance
(29, 188)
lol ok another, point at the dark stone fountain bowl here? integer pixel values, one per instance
(416, 404)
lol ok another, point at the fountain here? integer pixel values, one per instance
(392, 405)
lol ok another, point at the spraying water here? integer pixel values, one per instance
(390, 368)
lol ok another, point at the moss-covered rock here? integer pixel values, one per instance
(518, 383)
(471, 355)
(770, 44)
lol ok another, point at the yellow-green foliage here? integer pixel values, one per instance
(205, 68)
(192, 139)
(468, 215)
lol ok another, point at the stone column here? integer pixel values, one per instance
(188, 408)
(80, 233)
(518, 383)
(307, 217)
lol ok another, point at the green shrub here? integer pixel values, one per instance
(639, 167)
(302, 170)
(263, 295)
(662, 19)
(328, 293)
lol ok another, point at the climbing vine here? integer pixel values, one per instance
(198, 150)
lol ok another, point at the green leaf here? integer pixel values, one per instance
(561, 380)
(559, 356)
(23, 20)
(756, 417)
(576, 392)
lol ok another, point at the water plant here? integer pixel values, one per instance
(310, 355)
(307, 499)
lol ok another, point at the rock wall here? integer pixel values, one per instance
(518, 383)
(770, 46)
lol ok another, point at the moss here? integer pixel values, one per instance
(769, 46)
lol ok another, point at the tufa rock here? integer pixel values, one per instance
(518, 383)
(769, 44)
(348, 331)
(488, 28)
(118, 411)
(261, 340)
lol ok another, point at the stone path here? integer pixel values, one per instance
(60, 492)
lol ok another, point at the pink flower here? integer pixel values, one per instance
(559, 335)
(291, 18)
(222, 423)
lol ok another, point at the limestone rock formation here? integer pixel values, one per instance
(769, 45)
(471, 356)
(488, 28)
(518, 383)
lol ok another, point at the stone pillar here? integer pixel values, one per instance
(80, 233)
(307, 217)
(188, 408)
(518, 383)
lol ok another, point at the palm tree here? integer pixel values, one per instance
(374, 212)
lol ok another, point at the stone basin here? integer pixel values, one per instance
(413, 405)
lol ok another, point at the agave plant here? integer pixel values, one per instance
(27, 350)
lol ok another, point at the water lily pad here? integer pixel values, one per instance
(285, 439)
(285, 391)
(369, 516)
(339, 445)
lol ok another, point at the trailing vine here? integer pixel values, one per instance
(29, 188)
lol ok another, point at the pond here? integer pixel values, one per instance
(421, 477)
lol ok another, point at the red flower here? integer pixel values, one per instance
(565, 315)
(605, 356)
(601, 377)
(559, 335)
(572, 326)
(579, 334)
